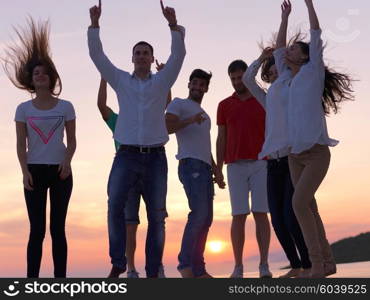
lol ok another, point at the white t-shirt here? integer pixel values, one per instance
(45, 131)
(194, 141)
(306, 117)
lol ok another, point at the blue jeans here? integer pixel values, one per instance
(128, 170)
(196, 177)
(280, 192)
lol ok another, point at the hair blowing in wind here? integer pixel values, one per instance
(31, 51)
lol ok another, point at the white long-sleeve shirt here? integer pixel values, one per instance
(275, 102)
(306, 117)
(249, 79)
(142, 103)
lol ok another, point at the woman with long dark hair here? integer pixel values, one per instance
(45, 160)
(279, 184)
(314, 91)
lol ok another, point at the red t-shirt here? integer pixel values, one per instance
(245, 127)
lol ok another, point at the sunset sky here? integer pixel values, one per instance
(218, 31)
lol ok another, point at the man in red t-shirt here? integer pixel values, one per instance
(241, 131)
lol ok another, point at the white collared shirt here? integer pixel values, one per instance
(306, 117)
(275, 103)
(142, 103)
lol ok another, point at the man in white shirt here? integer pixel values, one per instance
(192, 126)
(142, 133)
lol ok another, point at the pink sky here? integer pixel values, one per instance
(213, 39)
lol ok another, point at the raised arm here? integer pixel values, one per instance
(95, 13)
(101, 61)
(174, 63)
(286, 9)
(316, 43)
(105, 110)
(314, 21)
(159, 67)
(249, 77)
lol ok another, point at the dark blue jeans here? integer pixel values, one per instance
(133, 204)
(196, 177)
(128, 170)
(280, 192)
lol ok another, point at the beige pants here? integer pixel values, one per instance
(308, 170)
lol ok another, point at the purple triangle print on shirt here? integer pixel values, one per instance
(45, 127)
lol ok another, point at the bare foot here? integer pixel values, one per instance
(186, 273)
(292, 273)
(305, 273)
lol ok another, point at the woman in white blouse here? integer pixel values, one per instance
(279, 184)
(314, 91)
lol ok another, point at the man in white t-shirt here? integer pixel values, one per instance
(192, 126)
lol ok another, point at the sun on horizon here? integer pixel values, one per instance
(216, 246)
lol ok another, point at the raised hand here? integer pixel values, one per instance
(170, 14)
(286, 9)
(266, 53)
(159, 66)
(314, 20)
(95, 13)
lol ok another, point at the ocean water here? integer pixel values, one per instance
(354, 270)
(350, 270)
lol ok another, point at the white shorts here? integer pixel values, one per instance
(244, 176)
